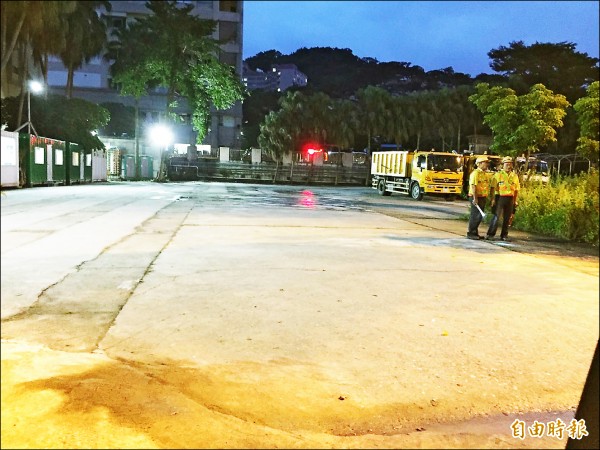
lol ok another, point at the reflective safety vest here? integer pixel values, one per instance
(481, 180)
(506, 184)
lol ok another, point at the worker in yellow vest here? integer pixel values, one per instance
(505, 190)
(479, 188)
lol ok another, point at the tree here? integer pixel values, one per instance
(122, 120)
(255, 108)
(344, 123)
(587, 117)
(372, 111)
(57, 117)
(399, 125)
(264, 60)
(559, 66)
(173, 49)
(37, 23)
(520, 124)
(30, 31)
(293, 116)
(86, 35)
(420, 114)
(49, 36)
(318, 115)
(275, 137)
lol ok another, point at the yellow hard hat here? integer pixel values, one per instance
(507, 159)
(481, 159)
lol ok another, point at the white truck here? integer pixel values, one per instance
(416, 173)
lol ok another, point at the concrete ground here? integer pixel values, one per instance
(205, 315)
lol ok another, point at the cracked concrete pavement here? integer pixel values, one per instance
(216, 315)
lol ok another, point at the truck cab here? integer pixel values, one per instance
(436, 173)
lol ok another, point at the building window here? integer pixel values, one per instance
(87, 79)
(228, 6)
(228, 31)
(228, 58)
(117, 22)
(227, 121)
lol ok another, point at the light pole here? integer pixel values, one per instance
(163, 136)
(36, 87)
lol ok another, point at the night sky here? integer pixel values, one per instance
(433, 35)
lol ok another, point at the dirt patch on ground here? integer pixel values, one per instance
(54, 399)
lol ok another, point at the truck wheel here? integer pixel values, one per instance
(415, 191)
(381, 188)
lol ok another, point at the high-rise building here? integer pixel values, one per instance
(92, 81)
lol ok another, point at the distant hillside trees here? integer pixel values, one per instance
(559, 67)
(420, 109)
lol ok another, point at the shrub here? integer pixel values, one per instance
(567, 208)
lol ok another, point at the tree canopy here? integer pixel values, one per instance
(558, 66)
(122, 120)
(85, 33)
(520, 124)
(173, 49)
(589, 123)
(62, 118)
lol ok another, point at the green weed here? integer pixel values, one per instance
(567, 208)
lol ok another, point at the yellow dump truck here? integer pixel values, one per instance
(416, 173)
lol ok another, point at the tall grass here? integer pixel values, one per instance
(567, 208)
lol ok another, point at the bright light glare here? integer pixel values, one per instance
(161, 135)
(36, 86)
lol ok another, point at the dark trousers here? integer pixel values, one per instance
(475, 217)
(504, 207)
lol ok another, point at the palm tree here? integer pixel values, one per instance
(344, 123)
(50, 37)
(372, 111)
(319, 106)
(294, 104)
(372, 114)
(420, 115)
(30, 31)
(86, 34)
(399, 125)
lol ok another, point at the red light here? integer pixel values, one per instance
(312, 148)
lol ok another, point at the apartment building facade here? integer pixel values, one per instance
(93, 82)
(279, 78)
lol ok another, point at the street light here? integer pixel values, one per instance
(36, 87)
(163, 136)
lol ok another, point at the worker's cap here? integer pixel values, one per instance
(481, 159)
(507, 159)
